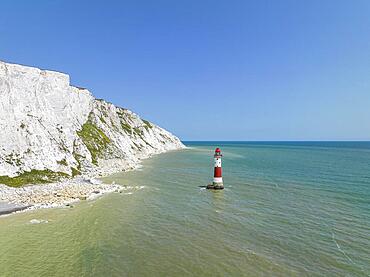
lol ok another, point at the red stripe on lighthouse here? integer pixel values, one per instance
(218, 172)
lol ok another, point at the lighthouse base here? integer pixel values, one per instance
(215, 186)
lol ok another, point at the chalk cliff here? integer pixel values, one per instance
(49, 128)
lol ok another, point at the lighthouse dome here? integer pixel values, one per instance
(218, 150)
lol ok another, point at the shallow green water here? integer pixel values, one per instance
(288, 209)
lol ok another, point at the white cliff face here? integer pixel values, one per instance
(47, 124)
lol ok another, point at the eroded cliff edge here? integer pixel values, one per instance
(50, 129)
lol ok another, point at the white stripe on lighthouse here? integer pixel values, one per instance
(217, 162)
(217, 179)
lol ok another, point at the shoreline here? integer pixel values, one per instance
(67, 191)
(9, 208)
(53, 195)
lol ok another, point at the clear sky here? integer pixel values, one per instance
(209, 70)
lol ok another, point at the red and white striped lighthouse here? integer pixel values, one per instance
(217, 176)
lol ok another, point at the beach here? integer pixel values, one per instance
(52, 195)
(67, 191)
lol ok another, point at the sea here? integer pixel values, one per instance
(288, 209)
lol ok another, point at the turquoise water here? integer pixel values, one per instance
(288, 209)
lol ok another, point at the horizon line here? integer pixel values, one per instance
(275, 140)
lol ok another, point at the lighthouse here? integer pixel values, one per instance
(217, 176)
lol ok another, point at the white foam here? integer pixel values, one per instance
(340, 249)
(38, 221)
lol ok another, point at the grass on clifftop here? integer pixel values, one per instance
(94, 139)
(32, 177)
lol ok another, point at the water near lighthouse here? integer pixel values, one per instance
(288, 209)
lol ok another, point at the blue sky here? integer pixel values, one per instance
(209, 70)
